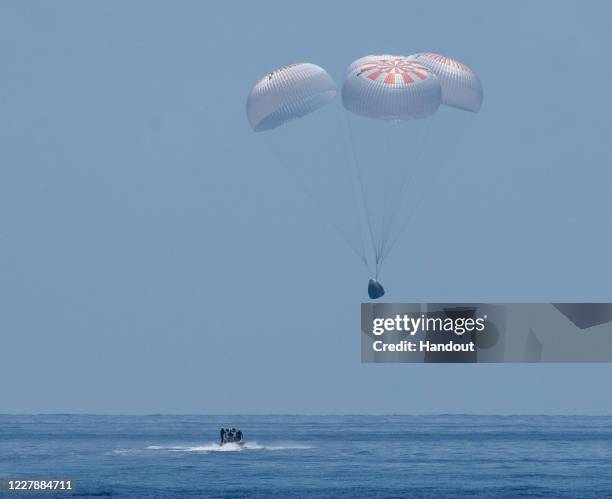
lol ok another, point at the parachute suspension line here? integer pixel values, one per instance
(440, 166)
(405, 181)
(393, 198)
(387, 192)
(359, 175)
(410, 214)
(361, 255)
(406, 171)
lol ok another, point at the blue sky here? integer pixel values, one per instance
(154, 259)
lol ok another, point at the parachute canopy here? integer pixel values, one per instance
(390, 88)
(461, 87)
(288, 93)
(359, 62)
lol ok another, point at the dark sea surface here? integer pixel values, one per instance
(313, 456)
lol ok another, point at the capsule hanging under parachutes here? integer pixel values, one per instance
(394, 93)
(389, 88)
(461, 87)
(288, 93)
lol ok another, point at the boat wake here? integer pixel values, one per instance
(229, 447)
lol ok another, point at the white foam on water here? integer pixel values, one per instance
(288, 446)
(230, 447)
(125, 451)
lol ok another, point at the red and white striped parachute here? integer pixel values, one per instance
(359, 62)
(461, 87)
(390, 88)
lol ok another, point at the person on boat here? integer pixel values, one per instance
(239, 436)
(222, 435)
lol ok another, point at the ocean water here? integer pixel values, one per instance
(313, 456)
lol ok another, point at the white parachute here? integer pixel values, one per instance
(287, 93)
(461, 87)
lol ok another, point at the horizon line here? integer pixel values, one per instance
(288, 414)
